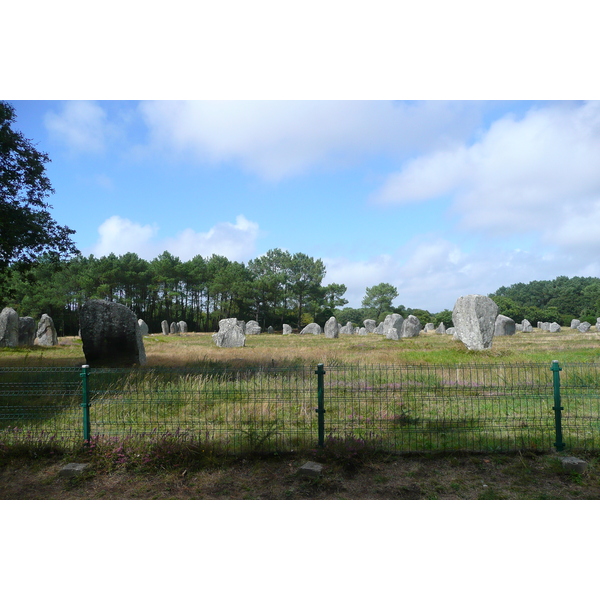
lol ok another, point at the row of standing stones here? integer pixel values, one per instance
(475, 317)
(18, 331)
(112, 336)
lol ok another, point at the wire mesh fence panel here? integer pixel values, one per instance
(423, 408)
(231, 410)
(580, 395)
(406, 408)
(40, 402)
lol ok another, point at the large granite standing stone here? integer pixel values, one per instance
(143, 327)
(411, 327)
(370, 325)
(232, 322)
(554, 327)
(46, 332)
(231, 334)
(164, 327)
(9, 328)
(474, 317)
(174, 328)
(332, 328)
(253, 328)
(183, 328)
(527, 326)
(26, 331)
(111, 335)
(287, 329)
(312, 328)
(584, 327)
(392, 322)
(504, 326)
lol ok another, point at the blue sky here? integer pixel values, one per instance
(439, 198)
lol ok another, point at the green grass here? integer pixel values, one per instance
(419, 394)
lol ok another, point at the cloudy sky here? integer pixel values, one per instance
(439, 198)
(297, 140)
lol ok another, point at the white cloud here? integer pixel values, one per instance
(537, 174)
(82, 126)
(236, 240)
(281, 139)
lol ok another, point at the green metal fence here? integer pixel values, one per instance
(404, 408)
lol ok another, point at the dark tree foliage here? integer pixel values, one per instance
(26, 227)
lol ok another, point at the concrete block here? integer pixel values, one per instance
(573, 465)
(73, 469)
(312, 469)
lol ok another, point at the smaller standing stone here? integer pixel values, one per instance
(441, 329)
(332, 329)
(253, 328)
(311, 469)
(26, 331)
(429, 327)
(527, 326)
(164, 327)
(312, 328)
(287, 329)
(572, 464)
(362, 331)
(183, 328)
(504, 326)
(348, 329)
(9, 328)
(270, 329)
(411, 327)
(575, 323)
(46, 332)
(370, 325)
(174, 329)
(143, 327)
(554, 327)
(584, 327)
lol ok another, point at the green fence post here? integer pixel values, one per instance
(320, 410)
(557, 407)
(85, 373)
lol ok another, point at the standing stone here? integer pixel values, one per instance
(143, 327)
(429, 327)
(527, 326)
(348, 329)
(504, 326)
(287, 329)
(183, 328)
(332, 329)
(554, 327)
(270, 329)
(164, 326)
(46, 332)
(362, 331)
(411, 327)
(174, 328)
(519, 326)
(392, 334)
(370, 325)
(9, 328)
(441, 329)
(233, 337)
(253, 328)
(26, 331)
(597, 323)
(392, 322)
(575, 323)
(474, 317)
(232, 322)
(312, 328)
(451, 331)
(584, 327)
(111, 335)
